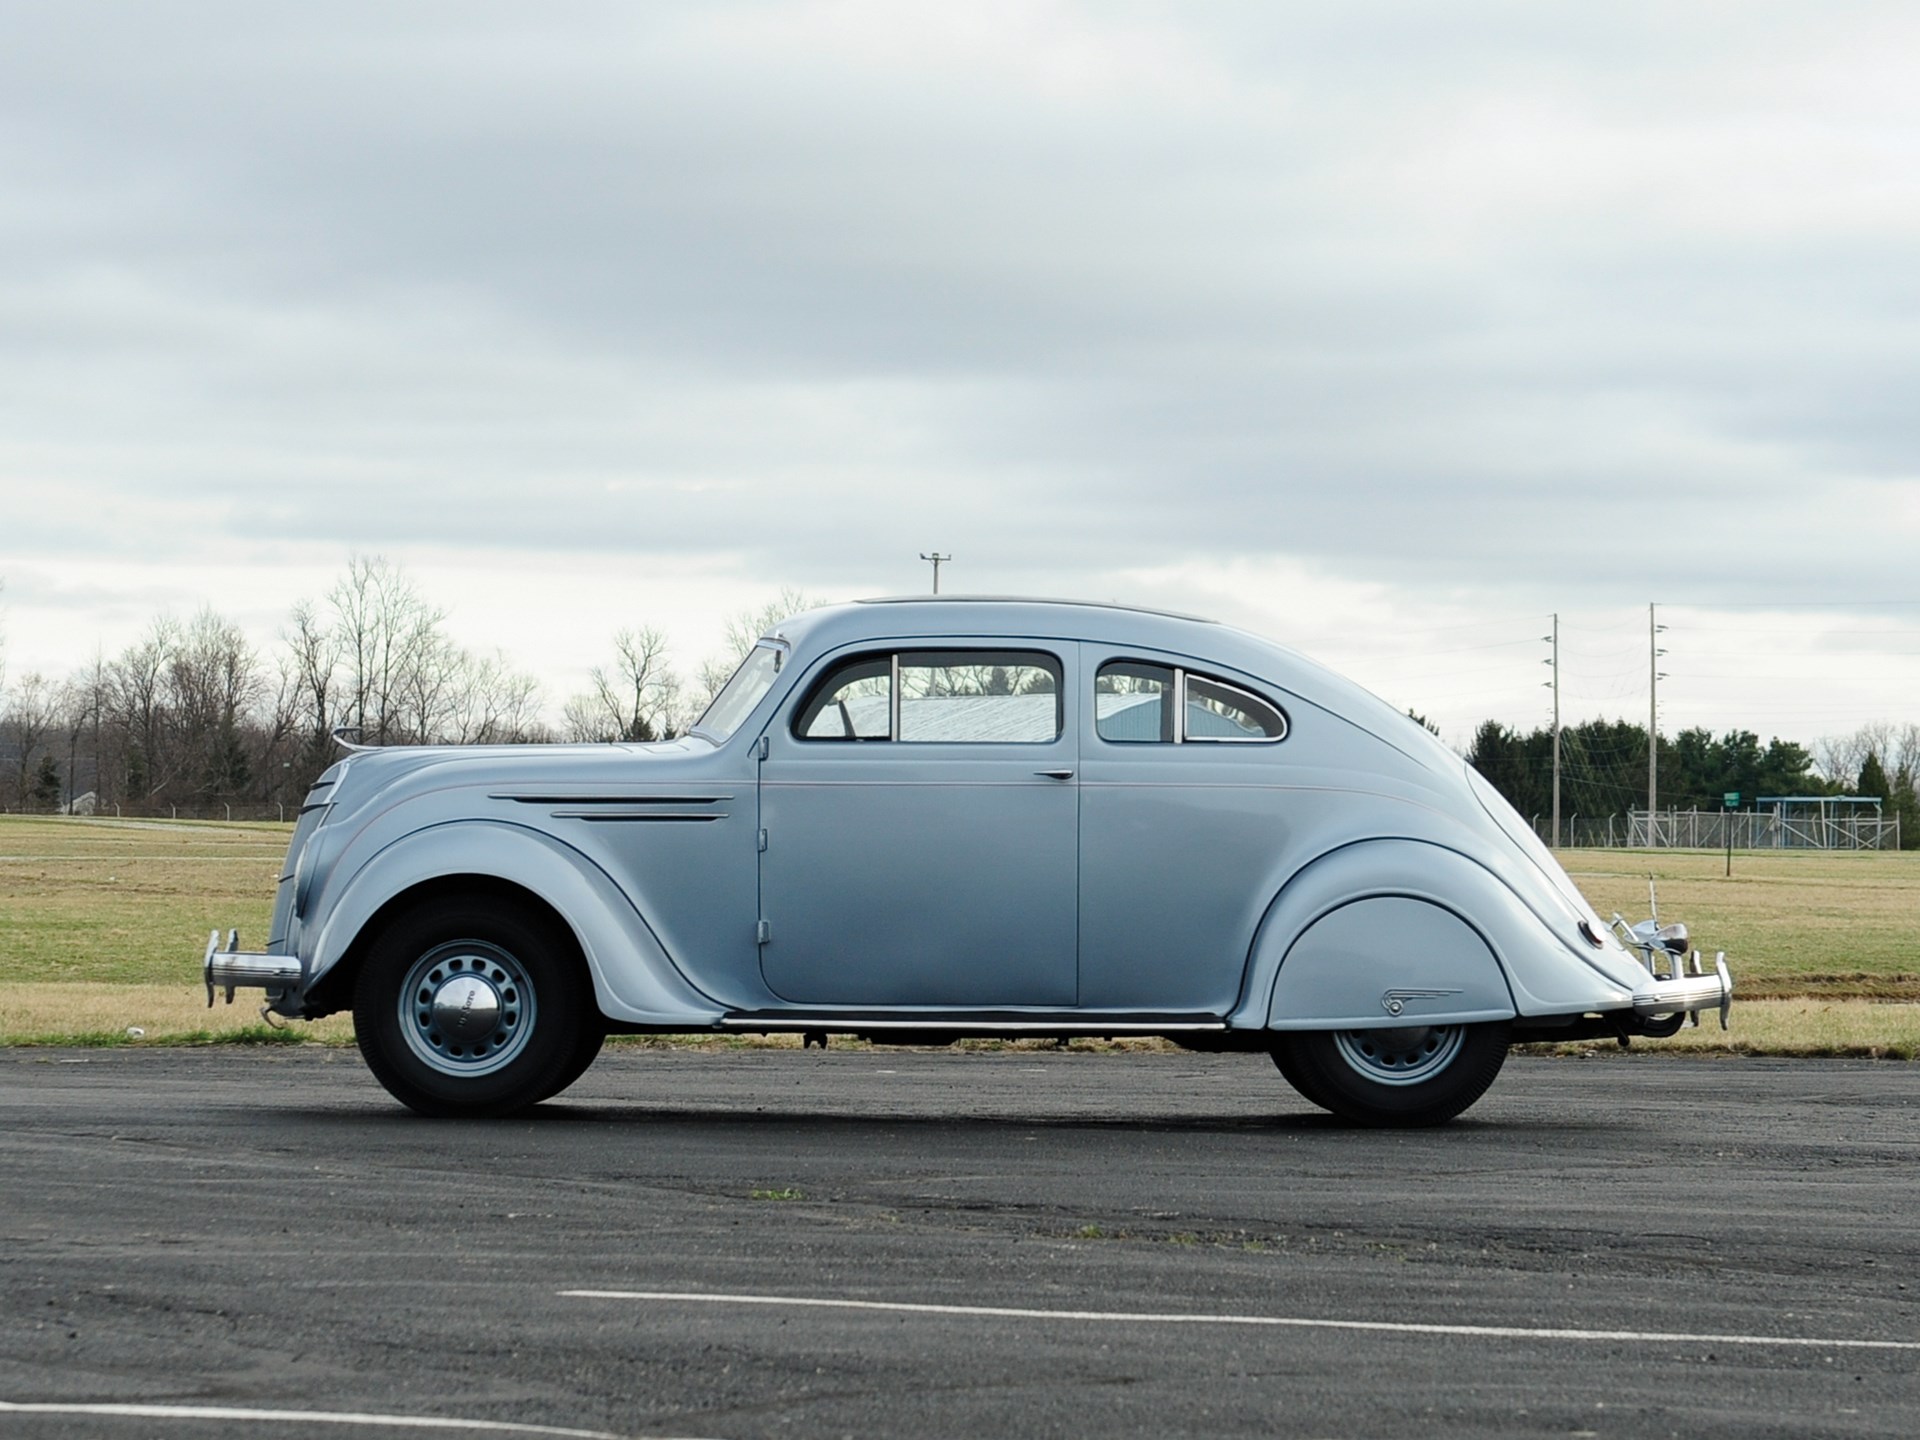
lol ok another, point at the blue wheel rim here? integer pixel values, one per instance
(467, 1008)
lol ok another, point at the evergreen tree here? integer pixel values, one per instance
(1906, 807)
(46, 784)
(1873, 780)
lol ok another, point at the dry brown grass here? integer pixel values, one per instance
(1864, 1028)
(102, 1013)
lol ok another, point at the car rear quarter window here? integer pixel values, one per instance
(1136, 702)
(1219, 711)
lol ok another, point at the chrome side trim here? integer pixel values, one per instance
(594, 797)
(967, 1025)
(597, 807)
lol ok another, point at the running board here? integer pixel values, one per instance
(971, 1022)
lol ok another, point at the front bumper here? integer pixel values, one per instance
(231, 969)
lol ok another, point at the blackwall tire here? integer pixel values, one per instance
(1404, 1077)
(1285, 1057)
(586, 1051)
(474, 1006)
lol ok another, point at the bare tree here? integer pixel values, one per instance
(377, 658)
(32, 718)
(137, 700)
(213, 686)
(309, 668)
(635, 698)
(388, 635)
(746, 627)
(491, 703)
(279, 740)
(1838, 758)
(710, 679)
(744, 630)
(427, 690)
(87, 697)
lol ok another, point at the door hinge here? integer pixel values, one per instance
(763, 842)
(764, 935)
(766, 746)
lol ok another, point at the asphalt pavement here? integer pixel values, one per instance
(933, 1243)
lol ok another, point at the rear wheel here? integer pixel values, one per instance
(475, 1006)
(1405, 1076)
(1284, 1056)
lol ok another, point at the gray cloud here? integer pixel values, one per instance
(1526, 304)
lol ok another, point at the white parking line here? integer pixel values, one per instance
(1288, 1322)
(296, 1417)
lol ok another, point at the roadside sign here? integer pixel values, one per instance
(1732, 797)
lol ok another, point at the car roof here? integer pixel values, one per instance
(1032, 600)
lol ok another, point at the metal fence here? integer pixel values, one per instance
(1773, 829)
(221, 811)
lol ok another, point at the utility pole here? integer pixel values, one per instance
(937, 558)
(1553, 639)
(1654, 677)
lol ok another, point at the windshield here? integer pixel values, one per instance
(744, 691)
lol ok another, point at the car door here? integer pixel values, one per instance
(920, 820)
(1183, 818)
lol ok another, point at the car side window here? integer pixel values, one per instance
(854, 702)
(1133, 701)
(1137, 702)
(965, 697)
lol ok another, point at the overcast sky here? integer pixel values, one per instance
(1384, 329)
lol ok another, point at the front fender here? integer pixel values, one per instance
(1408, 915)
(633, 980)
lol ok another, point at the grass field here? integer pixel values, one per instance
(103, 922)
(1812, 923)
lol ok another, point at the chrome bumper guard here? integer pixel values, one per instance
(1690, 991)
(231, 968)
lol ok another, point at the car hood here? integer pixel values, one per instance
(373, 771)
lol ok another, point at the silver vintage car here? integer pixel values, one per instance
(920, 820)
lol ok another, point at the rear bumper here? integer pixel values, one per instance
(232, 968)
(1688, 993)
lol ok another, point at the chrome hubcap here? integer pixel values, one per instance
(1403, 1056)
(467, 1008)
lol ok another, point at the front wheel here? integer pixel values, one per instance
(1406, 1076)
(474, 1006)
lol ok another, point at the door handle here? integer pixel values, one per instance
(1055, 774)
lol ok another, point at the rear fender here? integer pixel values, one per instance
(1388, 960)
(1375, 924)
